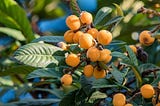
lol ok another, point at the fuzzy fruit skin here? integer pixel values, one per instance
(73, 22)
(68, 36)
(76, 36)
(158, 104)
(104, 37)
(119, 99)
(86, 41)
(93, 32)
(99, 73)
(147, 91)
(72, 60)
(62, 45)
(134, 49)
(66, 79)
(105, 55)
(128, 104)
(88, 70)
(86, 17)
(93, 54)
(145, 38)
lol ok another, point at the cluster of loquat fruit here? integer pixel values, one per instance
(91, 41)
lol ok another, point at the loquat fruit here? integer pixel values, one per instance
(88, 70)
(72, 60)
(73, 22)
(158, 104)
(76, 36)
(68, 36)
(104, 37)
(66, 79)
(134, 49)
(86, 41)
(93, 54)
(62, 45)
(119, 99)
(86, 17)
(93, 32)
(105, 55)
(147, 91)
(99, 73)
(145, 38)
(128, 104)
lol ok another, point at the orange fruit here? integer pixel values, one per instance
(76, 36)
(93, 54)
(99, 73)
(128, 104)
(88, 70)
(66, 79)
(62, 45)
(119, 99)
(86, 41)
(104, 37)
(93, 32)
(145, 38)
(105, 55)
(147, 91)
(86, 17)
(73, 22)
(68, 36)
(72, 60)
(158, 104)
(134, 49)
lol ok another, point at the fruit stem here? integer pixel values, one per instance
(137, 75)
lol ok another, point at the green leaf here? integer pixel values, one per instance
(74, 7)
(22, 69)
(69, 99)
(101, 14)
(115, 45)
(97, 95)
(124, 58)
(102, 83)
(16, 15)
(13, 33)
(112, 22)
(46, 72)
(117, 74)
(49, 39)
(37, 54)
(132, 56)
(33, 102)
(147, 66)
(156, 81)
(118, 10)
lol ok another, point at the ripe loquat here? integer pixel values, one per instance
(72, 60)
(145, 38)
(128, 104)
(93, 32)
(147, 91)
(134, 49)
(66, 79)
(86, 17)
(86, 41)
(119, 99)
(93, 54)
(104, 37)
(105, 55)
(76, 36)
(158, 104)
(88, 70)
(68, 36)
(73, 22)
(62, 45)
(99, 73)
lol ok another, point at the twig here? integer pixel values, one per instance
(136, 94)
(150, 71)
